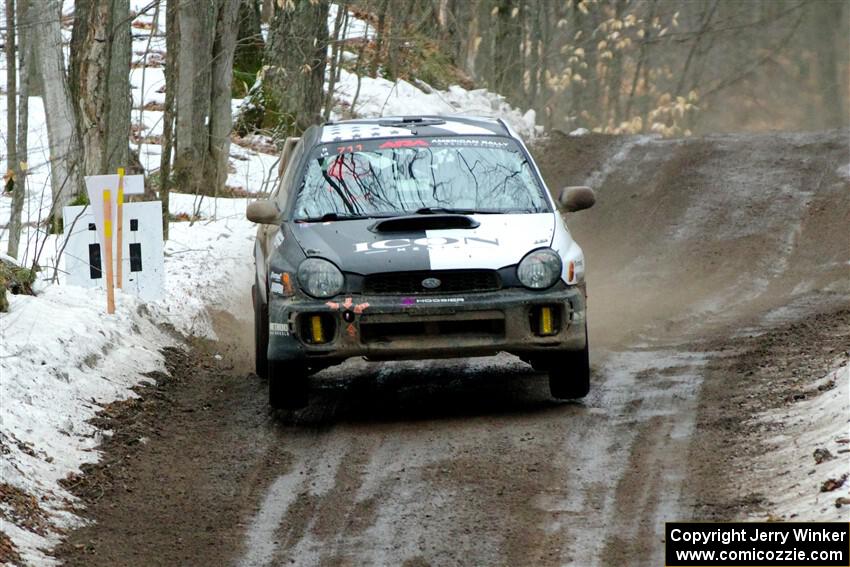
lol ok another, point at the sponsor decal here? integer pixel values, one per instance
(348, 304)
(281, 329)
(350, 149)
(392, 144)
(277, 240)
(474, 142)
(349, 307)
(414, 244)
(410, 301)
(280, 283)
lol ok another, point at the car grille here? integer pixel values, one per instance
(451, 281)
(391, 331)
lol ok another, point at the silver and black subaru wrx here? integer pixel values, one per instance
(410, 238)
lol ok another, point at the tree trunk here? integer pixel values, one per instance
(221, 115)
(16, 138)
(100, 82)
(507, 66)
(207, 40)
(172, 39)
(267, 12)
(336, 51)
(248, 58)
(473, 40)
(65, 152)
(196, 20)
(296, 59)
(613, 114)
(833, 111)
(380, 31)
(11, 93)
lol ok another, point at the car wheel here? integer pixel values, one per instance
(287, 384)
(569, 374)
(261, 336)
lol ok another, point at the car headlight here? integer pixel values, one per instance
(539, 269)
(320, 278)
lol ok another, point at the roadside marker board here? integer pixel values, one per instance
(142, 264)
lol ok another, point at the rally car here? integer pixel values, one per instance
(412, 238)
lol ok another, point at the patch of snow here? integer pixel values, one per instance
(821, 422)
(208, 264)
(380, 97)
(61, 358)
(355, 29)
(596, 180)
(55, 377)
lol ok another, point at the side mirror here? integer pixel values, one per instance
(263, 211)
(574, 199)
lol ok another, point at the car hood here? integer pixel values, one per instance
(497, 241)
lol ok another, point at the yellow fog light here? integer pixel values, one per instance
(547, 321)
(317, 332)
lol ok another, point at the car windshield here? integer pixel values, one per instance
(376, 178)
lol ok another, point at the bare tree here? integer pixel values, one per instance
(100, 82)
(11, 94)
(221, 114)
(340, 23)
(65, 155)
(172, 38)
(296, 59)
(192, 97)
(207, 40)
(15, 117)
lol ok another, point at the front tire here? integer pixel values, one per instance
(261, 337)
(569, 374)
(288, 384)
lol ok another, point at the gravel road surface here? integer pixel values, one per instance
(700, 251)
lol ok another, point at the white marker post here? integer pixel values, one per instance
(119, 236)
(101, 190)
(107, 252)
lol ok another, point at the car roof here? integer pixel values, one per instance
(411, 126)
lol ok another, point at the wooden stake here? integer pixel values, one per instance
(107, 253)
(119, 232)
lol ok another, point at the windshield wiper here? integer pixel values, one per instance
(460, 211)
(328, 217)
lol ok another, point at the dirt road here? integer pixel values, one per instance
(699, 252)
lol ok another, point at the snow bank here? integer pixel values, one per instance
(794, 476)
(62, 357)
(380, 97)
(207, 265)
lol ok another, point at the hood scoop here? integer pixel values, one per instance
(414, 223)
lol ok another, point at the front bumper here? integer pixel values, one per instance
(433, 326)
